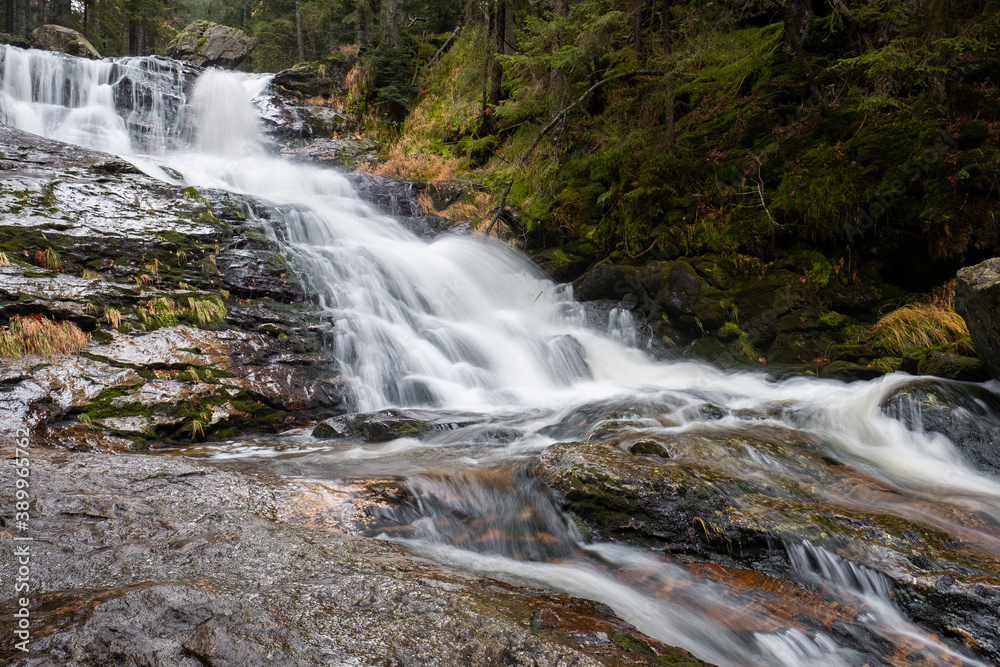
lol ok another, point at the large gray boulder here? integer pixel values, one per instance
(977, 299)
(211, 45)
(63, 40)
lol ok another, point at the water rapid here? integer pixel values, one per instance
(471, 332)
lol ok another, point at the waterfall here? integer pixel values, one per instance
(466, 326)
(124, 106)
(812, 561)
(621, 326)
(455, 323)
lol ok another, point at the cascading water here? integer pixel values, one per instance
(473, 331)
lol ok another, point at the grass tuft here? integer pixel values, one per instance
(34, 334)
(919, 325)
(48, 259)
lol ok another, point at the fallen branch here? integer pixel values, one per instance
(548, 128)
(440, 51)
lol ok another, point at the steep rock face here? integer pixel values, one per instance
(209, 44)
(63, 40)
(977, 299)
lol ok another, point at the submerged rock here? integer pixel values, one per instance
(977, 300)
(209, 44)
(64, 40)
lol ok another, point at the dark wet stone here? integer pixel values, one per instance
(373, 427)
(649, 448)
(967, 414)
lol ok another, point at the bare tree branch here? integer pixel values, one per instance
(548, 128)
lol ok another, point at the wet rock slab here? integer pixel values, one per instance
(159, 560)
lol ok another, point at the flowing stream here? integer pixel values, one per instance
(473, 337)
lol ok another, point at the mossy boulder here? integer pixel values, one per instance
(63, 40)
(977, 300)
(944, 362)
(207, 44)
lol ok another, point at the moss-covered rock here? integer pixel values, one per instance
(207, 44)
(326, 78)
(64, 40)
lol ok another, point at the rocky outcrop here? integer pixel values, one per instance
(63, 40)
(199, 327)
(977, 300)
(326, 78)
(159, 560)
(209, 44)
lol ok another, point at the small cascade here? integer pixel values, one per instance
(227, 124)
(816, 562)
(621, 327)
(124, 106)
(498, 511)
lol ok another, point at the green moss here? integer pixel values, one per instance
(633, 644)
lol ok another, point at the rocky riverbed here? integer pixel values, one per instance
(164, 561)
(201, 328)
(159, 560)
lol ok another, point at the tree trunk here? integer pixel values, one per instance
(389, 24)
(11, 8)
(668, 47)
(637, 26)
(796, 15)
(557, 77)
(498, 27)
(298, 31)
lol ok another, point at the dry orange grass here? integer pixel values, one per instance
(412, 166)
(920, 325)
(34, 334)
(459, 211)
